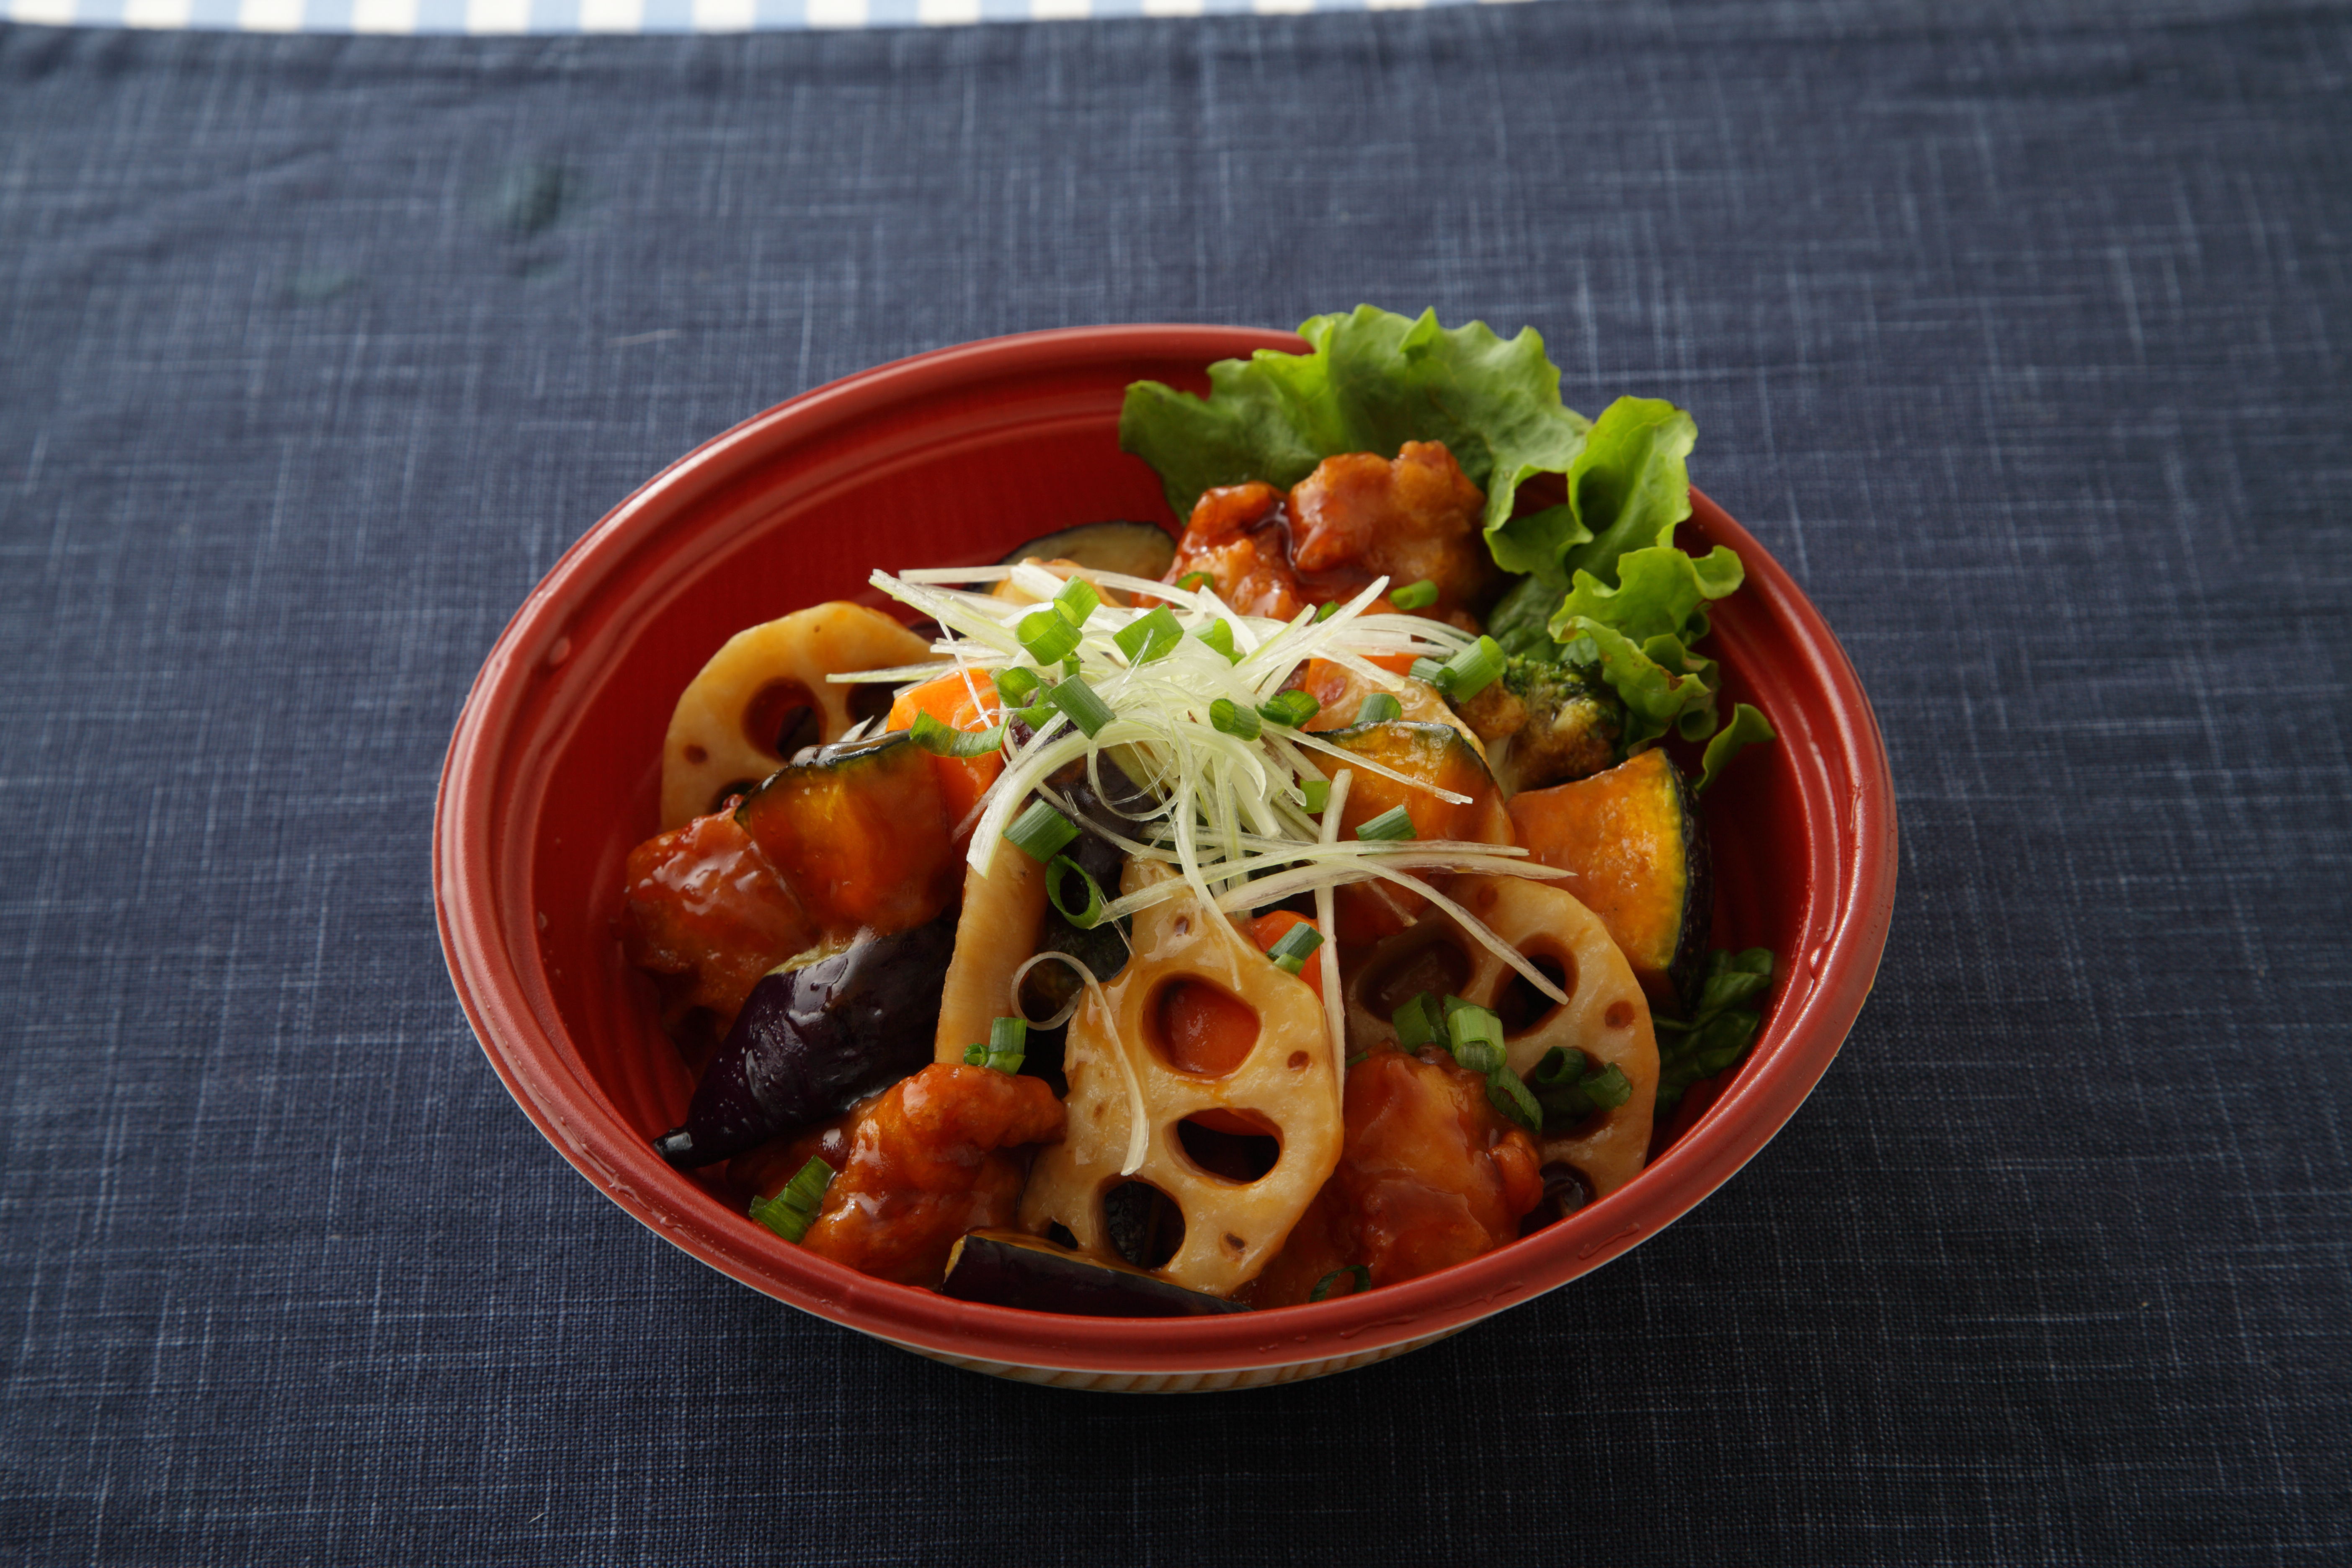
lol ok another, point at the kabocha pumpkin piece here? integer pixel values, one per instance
(1007, 1268)
(763, 696)
(1545, 724)
(812, 1040)
(1437, 756)
(861, 834)
(995, 935)
(1606, 1016)
(1635, 839)
(1142, 1062)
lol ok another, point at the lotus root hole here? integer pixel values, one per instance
(1439, 965)
(1145, 1226)
(871, 700)
(1521, 1006)
(1236, 1244)
(1297, 1060)
(1239, 1146)
(696, 756)
(1619, 1015)
(1198, 1026)
(783, 717)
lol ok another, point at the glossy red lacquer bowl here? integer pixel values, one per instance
(955, 457)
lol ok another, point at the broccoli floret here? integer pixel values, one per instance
(1546, 723)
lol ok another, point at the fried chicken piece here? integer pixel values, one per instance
(1357, 517)
(1429, 1175)
(707, 915)
(920, 1164)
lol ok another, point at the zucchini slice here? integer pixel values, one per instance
(1634, 837)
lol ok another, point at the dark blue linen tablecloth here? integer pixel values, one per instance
(2018, 331)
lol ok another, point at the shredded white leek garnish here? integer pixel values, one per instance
(1225, 814)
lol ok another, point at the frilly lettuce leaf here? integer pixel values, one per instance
(1748, 727)
(1628, 486)
(1372, 381)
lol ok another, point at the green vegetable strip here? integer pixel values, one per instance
(947, 741)
(1233, 720)
(1472, 671)
(1414, 595)
(1292, 708)
(1007, 1047)
(1331, 1282)
(1015, 684)
(1048, 635)
(1086, 916)
(1315, 794)
(1476, 1037)
(1419, 1022)
(1041, 831)
(1394, 823)
(1079, 703)
(1076, 601)
(1509, 1096)
(1151, 637)
(1219, 634)
(1297, 946)
(792, 1211)
(1379, 707)
(1193, 582)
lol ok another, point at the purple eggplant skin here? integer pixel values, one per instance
(813, 1042)
(1007, 1268)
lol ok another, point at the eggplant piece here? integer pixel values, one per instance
(1136, 549)
(813, 1042)
(1011, 1269)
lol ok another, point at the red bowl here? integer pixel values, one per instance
(955, 457)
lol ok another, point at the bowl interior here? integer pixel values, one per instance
(952, 458)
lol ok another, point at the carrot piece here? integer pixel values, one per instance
(1272, 926)
(949, 698)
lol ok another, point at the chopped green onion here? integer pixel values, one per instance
(1191, 581)
(1329, 1282)
(1433, 670)
(1562, 1066)
(1087, 916)
(1471, 671)
(1007, 1047)
(1220, 636)
(1316, 796)
(792, 1211)
(1048, 635)
(1015, 684)
(1414, 595)
(1325, 611)
(1076, 601)
(1040, 832)
(1151, 637)
(1509, 1096)
(1297, 946)
(1379, 709)
(1071, 665)
(1232, 718)
(1608, 1088)
(1477, 1036)
(1419, 1022)
(1394, 823)
(1292, 708)
(1036, 715)
(947, 741)
(1076, 699)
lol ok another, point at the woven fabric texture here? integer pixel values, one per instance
(2018, 331)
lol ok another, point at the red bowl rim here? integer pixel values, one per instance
(505, 993)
